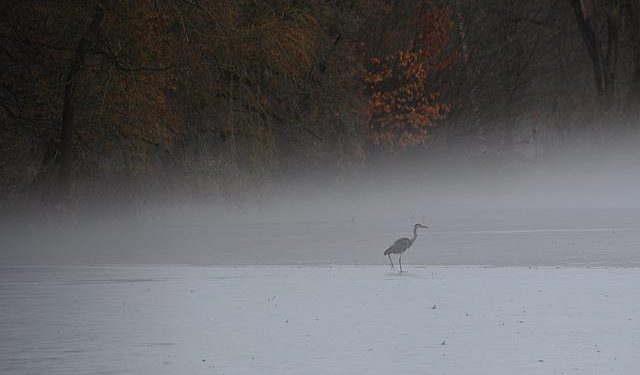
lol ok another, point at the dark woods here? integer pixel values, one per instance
(220, 96)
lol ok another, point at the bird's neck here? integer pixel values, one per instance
(415, 234)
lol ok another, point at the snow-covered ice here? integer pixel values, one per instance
(319, 320)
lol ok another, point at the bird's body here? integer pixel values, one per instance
(401, 245)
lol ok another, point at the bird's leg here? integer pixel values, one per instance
(393, 268)
(400, 261)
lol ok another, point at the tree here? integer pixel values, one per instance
(402, 102)
(632, 12)
(603, 54)
(87, 42)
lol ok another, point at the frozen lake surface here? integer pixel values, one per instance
(319, 320)
(498, 237)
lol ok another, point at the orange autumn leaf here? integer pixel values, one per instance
(402, 103)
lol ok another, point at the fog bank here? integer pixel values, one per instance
(576, 210)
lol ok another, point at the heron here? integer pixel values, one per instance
(402, 244)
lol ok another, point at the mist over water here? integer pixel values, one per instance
(582, 209)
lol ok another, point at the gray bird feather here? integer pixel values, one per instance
(399, 246)
(402, 244)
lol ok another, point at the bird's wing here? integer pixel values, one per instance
(400, 244)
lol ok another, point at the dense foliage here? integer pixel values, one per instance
(228, 93)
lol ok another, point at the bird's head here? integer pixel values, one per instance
(420, 226)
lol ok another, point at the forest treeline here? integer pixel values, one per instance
(98, 97)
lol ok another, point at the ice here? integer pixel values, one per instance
(319, 320)
(500, 237)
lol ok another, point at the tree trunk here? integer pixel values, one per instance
(633, 14)
(71, 78)
(66, 157)
(604, 64)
